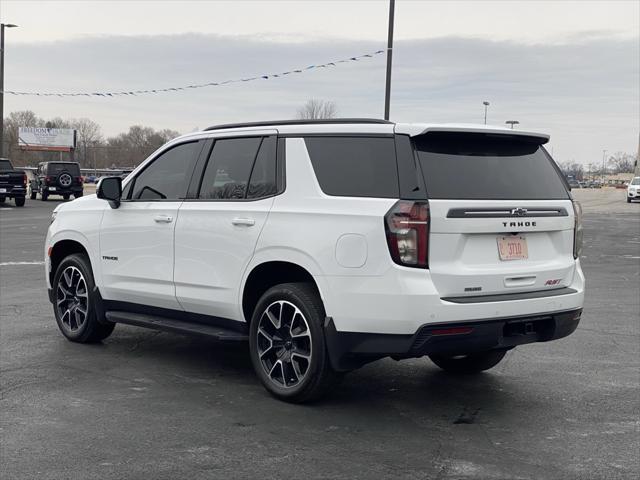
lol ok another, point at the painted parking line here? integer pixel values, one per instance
(6, 264)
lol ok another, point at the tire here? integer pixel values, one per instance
(472, 363)
(64, 179)
(77, 195)
(2, 199)
(19, 201)
(285, 372)
(628, 200)
(66, 196)
(33, 194)
(73, 288)
(44, 196)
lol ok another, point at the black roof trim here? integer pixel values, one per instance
(272, 123)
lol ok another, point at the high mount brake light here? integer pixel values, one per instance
(577, 229)
(407, 228)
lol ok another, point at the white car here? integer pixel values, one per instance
(633, 190)
(327, 245)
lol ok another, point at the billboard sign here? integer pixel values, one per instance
(47, 139)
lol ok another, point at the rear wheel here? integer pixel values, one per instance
(19, 201)
(77, 195)
(471, 363)
(33, 194)
(287, 344)
(2, 199)
(43, 196)
(74, 307)
(66, 196)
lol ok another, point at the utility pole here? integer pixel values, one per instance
(604, 156)
(2, 26)
(486, 104)
(387, 93)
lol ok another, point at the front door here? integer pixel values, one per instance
(137, 239)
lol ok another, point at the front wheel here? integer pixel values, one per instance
(74, 306)
(287, 344)
(628, 199)
(19, 201)
(471, 363)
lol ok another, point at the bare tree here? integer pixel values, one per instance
(88, 135)
(316, 109)
(572, 169)
(621, 162)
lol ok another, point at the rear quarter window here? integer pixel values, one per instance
(354, 166)
(487, 167)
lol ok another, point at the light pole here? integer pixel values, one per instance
(2, 26)
(604, 156)
(387, 90)
(512, 123)
(486, 104)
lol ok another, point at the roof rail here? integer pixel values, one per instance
(270, 123)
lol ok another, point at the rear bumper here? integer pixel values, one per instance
(348, 350)
(62, 190)
(13, 191)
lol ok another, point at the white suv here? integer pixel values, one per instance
(633, 190)
(328, 245)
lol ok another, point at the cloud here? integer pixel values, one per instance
(584, 92)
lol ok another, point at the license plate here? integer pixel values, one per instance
(513, 247)
(3, 190)
(52, 189)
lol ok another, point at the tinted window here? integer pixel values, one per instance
(263, 176)
(168, 176)
(487, 167)
(56, 168)
(635, 181)
(5, 165)
(355, 166)
(229, 167)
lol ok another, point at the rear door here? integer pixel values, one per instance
(501, 216)
(218, 229)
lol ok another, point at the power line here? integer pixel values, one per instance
(194, 86)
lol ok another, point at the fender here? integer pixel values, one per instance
(286, 254)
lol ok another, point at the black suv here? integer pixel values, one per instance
(57, 178)
(13, 183)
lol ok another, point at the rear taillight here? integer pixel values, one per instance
(407, 227)
(79, 179)
(577, 229)
(47, 180)
(24, 179)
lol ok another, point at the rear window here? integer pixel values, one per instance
(56, 168)
(5, 165)
(355, 166)
(487, 167)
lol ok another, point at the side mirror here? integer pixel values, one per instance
(110, 189)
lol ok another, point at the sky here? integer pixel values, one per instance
(570, 69)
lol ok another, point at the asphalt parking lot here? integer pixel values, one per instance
(156, 405)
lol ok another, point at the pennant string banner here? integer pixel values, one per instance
(200, 85)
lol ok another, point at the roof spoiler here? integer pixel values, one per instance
(414, 130)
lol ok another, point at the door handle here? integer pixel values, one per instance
(163, 219)
(247, 222)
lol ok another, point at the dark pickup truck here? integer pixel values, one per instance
(13, 183)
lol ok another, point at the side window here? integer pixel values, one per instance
(263, 176)
(227, 173)
(355, 166)
(167, 177)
